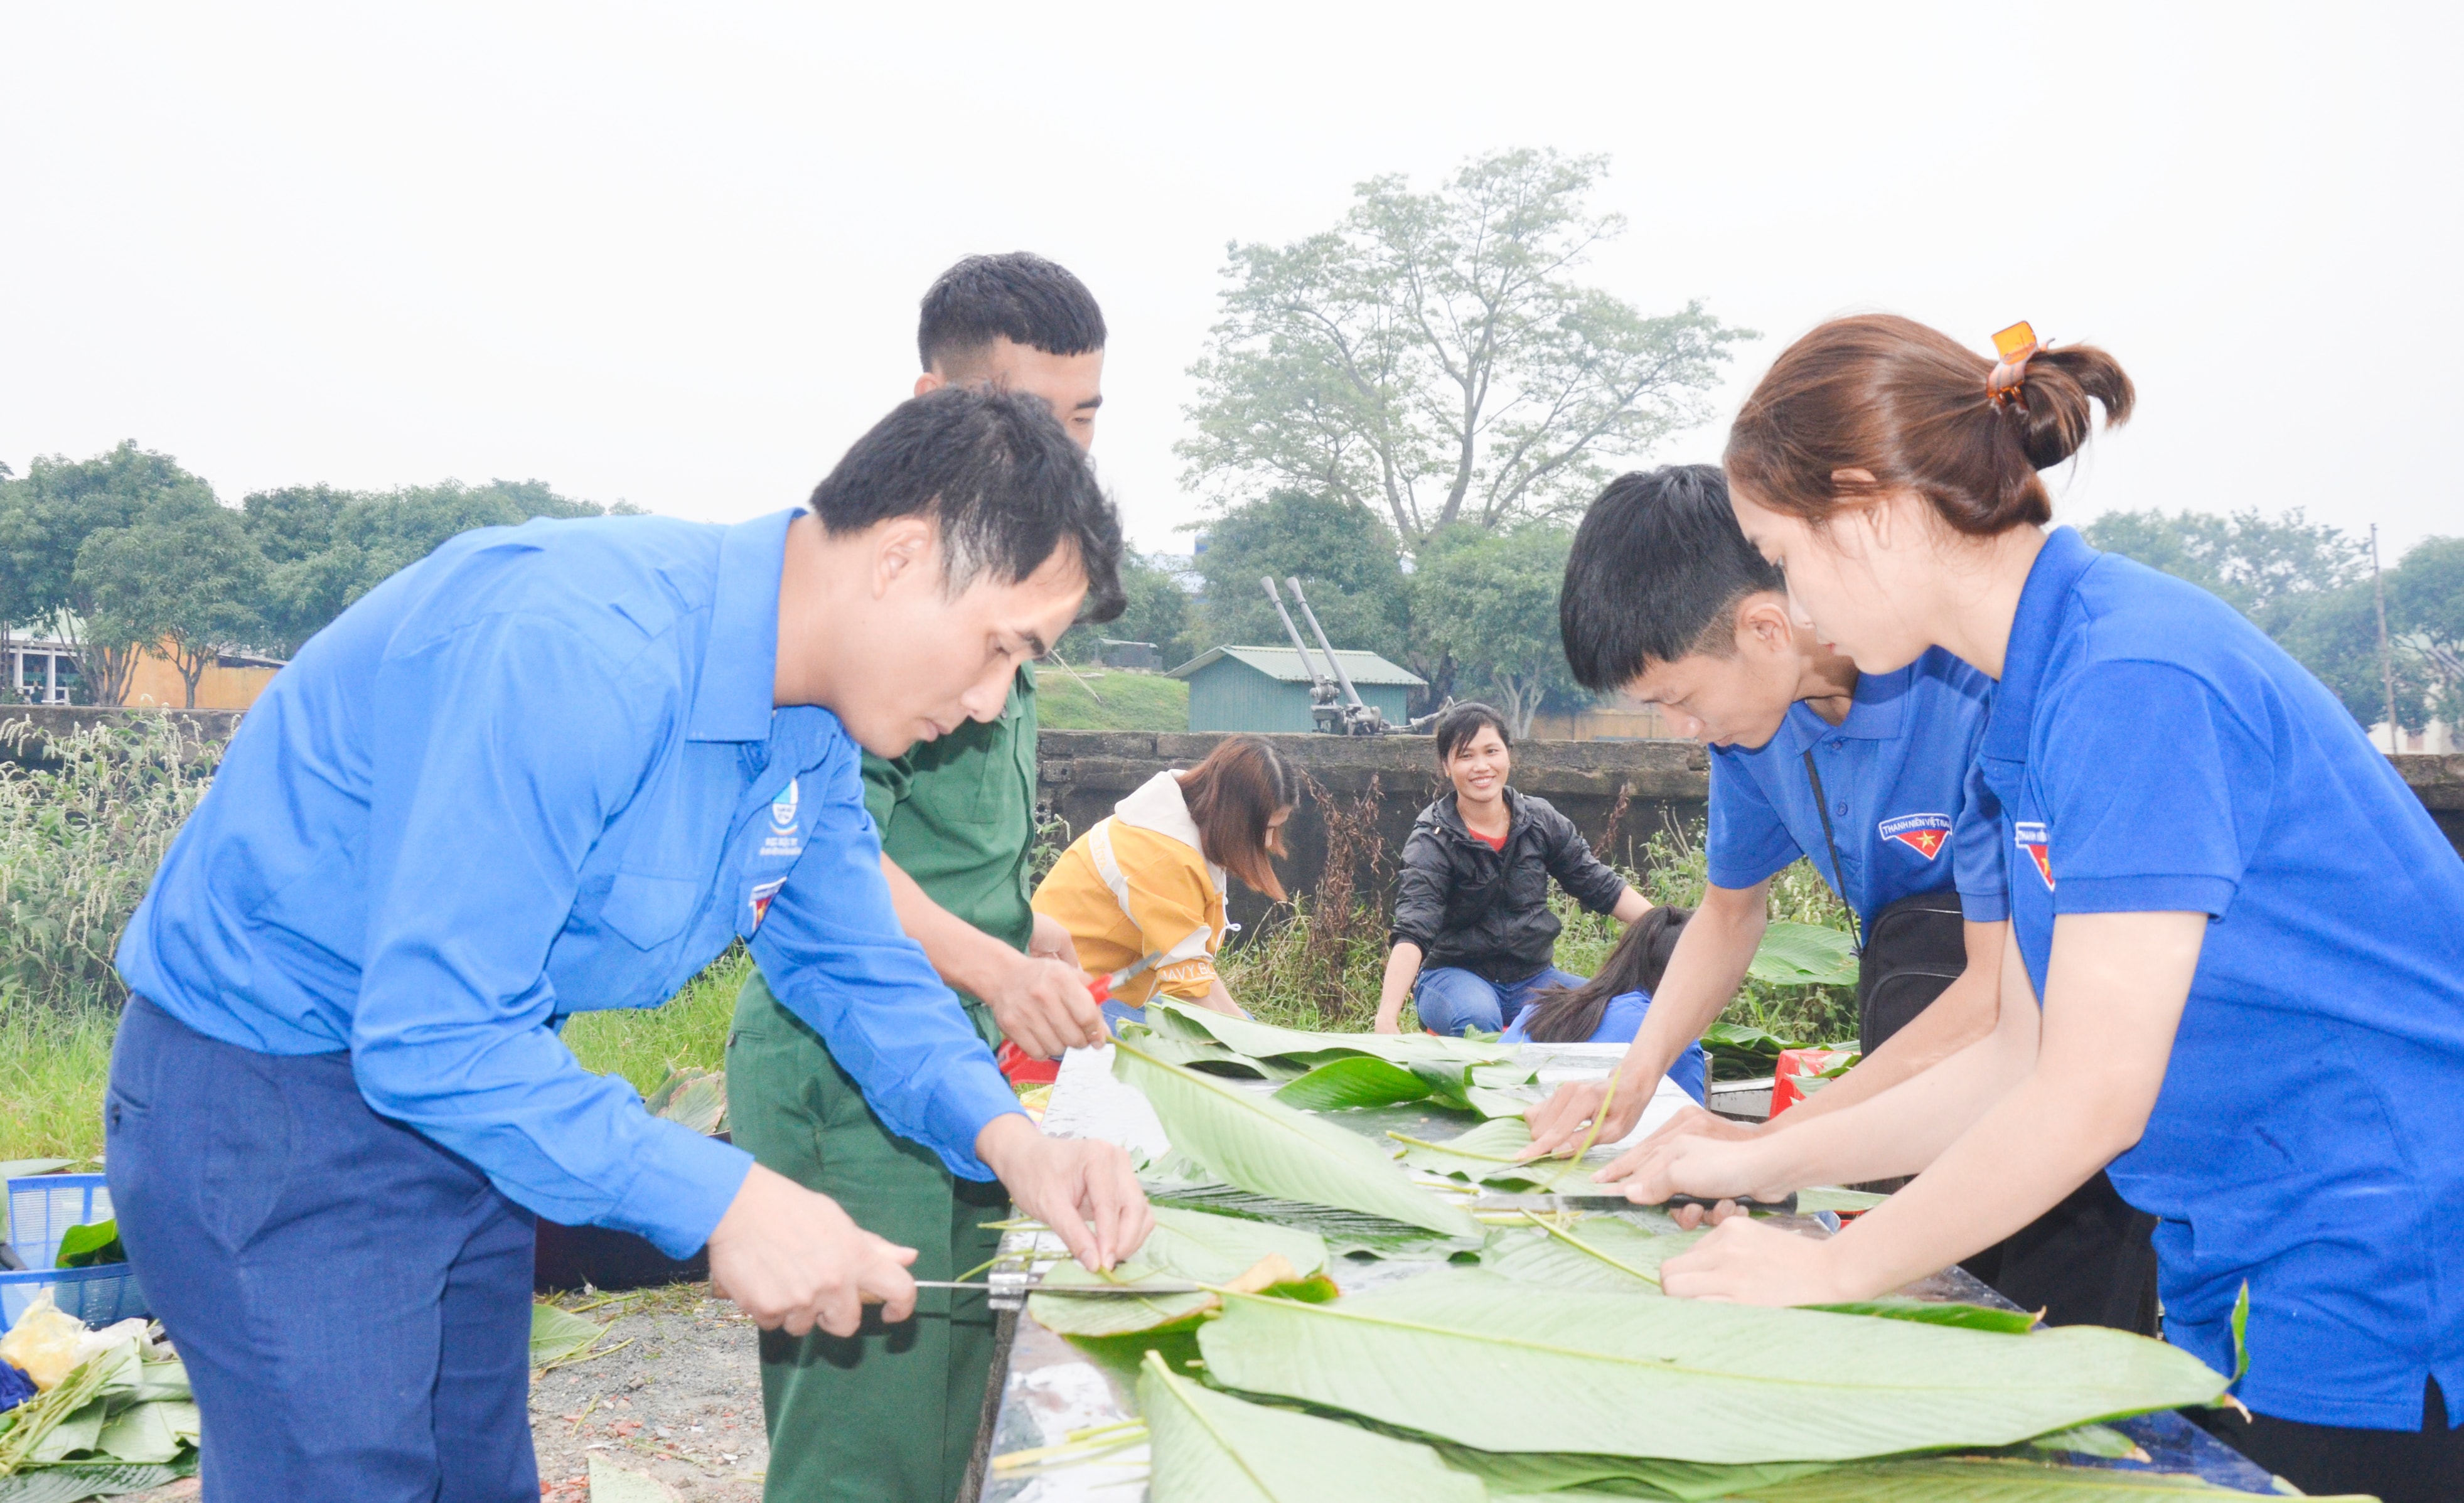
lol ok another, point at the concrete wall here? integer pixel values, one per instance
(1083, 773)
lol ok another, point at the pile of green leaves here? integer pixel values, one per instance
(1339, 1072)
(1588, 1381)
(121, 1420)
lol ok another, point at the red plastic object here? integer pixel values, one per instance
(1794, 1064)
(1022, 1070)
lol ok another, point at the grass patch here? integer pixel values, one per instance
(1302, 971)
(690, 1029)
(54, 1062)
(1131, 701)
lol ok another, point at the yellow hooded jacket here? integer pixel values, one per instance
(1139, 897)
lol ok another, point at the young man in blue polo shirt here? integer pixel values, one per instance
(553, 768)
(1870, 777)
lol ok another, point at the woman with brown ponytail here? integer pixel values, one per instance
(2243, 935)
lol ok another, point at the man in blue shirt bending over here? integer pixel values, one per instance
(553, 768)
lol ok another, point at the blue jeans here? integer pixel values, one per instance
(1451, 1000)
(352, 1301)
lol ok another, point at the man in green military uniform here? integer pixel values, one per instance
(890, 1415)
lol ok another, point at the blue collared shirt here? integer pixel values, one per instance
(536, 773)
(1903, 813)
(2154, 752)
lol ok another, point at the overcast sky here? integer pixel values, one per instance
(672, 254)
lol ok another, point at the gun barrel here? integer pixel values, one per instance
(1333, 662)
(1309, 665)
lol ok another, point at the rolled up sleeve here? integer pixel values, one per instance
(500, 750)
(833, 950)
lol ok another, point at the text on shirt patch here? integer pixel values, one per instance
(1922, 834)
(2034, 840)
(784, 839)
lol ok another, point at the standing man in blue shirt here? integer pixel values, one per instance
(548, 768)
(1867, 774)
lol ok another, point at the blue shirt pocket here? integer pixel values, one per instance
(649, 911)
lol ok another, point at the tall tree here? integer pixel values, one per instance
(1432, 359)
(1490, 601)
(2426, 617)
(324, 548)
(1342, 554)
(50, 515)
(181, 579)
(2270, 568)
(1159, 612)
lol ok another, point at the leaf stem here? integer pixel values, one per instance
(1460, 1153)
(1579, 1245)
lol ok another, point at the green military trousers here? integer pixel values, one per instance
(887, 1415)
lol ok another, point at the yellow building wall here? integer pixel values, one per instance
(155, 682)
(1599, 723)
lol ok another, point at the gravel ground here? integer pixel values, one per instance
(674, 1393)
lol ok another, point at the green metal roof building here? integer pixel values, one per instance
(1266, 689)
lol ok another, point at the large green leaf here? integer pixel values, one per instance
(1207, 1055)
(1268, 1041)
(1344, 1231)
(1185, 1247)
(1551, 1474)
(1598, 1252)
(559, 1334)
(1937, 1311)
(76, 1482)
(1361, 1080)
(1263, 1146)
(1682, 1378)
(90, 1246)
(695, 1098)
(148, 1432)
(1987, 1479)
(1211, 1448)
(1804, 955)
(1485, 1157)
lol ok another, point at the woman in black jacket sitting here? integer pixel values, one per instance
(1472, 925)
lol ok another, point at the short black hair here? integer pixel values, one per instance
(1019, 296)
(1462, 722)
(1658, 568)
(998, 477)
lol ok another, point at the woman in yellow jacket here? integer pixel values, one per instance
(1142, 892)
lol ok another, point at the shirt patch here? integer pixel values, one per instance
(763, 893)
(2034, 840)
(1922, 834)
(784, 839)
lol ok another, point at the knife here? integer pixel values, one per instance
(1096, 1290)
(1785, 1205)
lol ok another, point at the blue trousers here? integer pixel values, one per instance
(352, 1301)
(1450, 1000)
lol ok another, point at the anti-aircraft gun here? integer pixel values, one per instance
(1337, 710)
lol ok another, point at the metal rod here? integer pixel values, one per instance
(1337, 663)
(1309, 665)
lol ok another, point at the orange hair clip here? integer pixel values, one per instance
(2014, 345)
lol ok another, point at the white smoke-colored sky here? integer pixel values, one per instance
(671, 254)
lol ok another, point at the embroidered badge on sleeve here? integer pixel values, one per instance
(2034, 840)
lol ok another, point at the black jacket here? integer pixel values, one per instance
(1487, 910)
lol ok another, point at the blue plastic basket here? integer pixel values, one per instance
(40, 1211)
